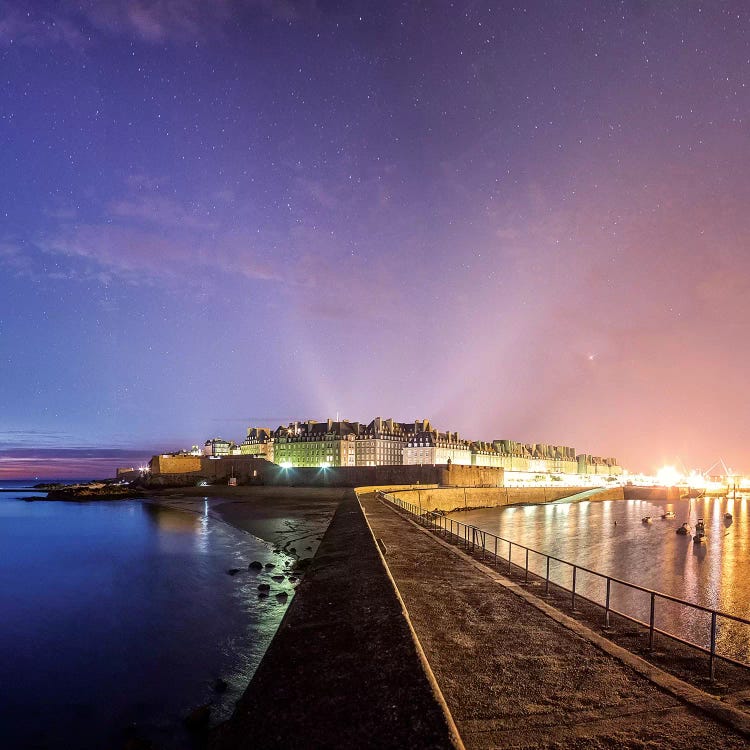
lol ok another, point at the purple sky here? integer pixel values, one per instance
(527, 223)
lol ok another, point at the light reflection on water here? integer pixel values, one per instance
(609, 537)
(121, 612)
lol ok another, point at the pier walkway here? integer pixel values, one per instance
(512, 676)
(343, 670)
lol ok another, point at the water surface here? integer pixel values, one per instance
(609, 537)
(121, 612)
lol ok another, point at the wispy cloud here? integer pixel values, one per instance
(14, 259)
(73, 452)
(160, 211)
(34, 27)
(158, 20)
(77, 25)
(145, 237)
(64, 467)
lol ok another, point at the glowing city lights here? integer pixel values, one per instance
(668, 476)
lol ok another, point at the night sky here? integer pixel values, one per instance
(520, 221)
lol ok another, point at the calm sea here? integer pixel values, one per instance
(610, 537)
(120, 614)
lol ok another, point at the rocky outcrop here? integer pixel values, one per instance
(94, 491)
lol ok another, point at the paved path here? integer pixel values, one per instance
(513, 677)
(343, 670)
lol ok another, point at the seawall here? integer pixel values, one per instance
(172, 471)
(344, 669)
(654, 494)
(451, 498)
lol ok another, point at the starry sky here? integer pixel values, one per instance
(525, 221)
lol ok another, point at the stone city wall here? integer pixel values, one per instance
(358, 476)
(172, 470)
(656, 494)
(175, 464)
(460, 498)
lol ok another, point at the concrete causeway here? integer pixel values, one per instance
(512, 676)
(344, 670)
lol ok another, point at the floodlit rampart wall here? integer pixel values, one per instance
(460, 498)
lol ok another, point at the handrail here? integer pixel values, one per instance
(439, 520)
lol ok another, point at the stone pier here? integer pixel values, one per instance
(514, 676)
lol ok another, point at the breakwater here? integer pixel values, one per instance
(518, 673)
(462, 498)
(344, 669)
(449, 499)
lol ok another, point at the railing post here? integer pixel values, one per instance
(439, 522)
(651, 622)
(606, 605)
(510, 554)
(526, 574)
(712, 656)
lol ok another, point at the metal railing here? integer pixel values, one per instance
(472, 538)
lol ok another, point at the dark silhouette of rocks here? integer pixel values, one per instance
(198, 718)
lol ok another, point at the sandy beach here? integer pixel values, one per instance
(293, 519)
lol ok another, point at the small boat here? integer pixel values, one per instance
(646, 519)
(700, 532)
(668, 514)
(685, 529)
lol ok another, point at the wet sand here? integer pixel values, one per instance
(292, 519)
(343, 670)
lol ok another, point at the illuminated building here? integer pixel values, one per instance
(258, 442)
(428, 446)
(485, 454)
(588, 464)
(385, 442)
(218, 447)
(382, 442)
(316, 444)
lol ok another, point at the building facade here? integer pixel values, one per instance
(485, 454)
(316, 444)
(219, 447)
(382, 442)
(385, 442)
(428, 446)
(258, 442)
(588, 464)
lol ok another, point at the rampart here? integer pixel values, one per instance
(188, 470)
(656, 494)
(460, 498)
(165, 464)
